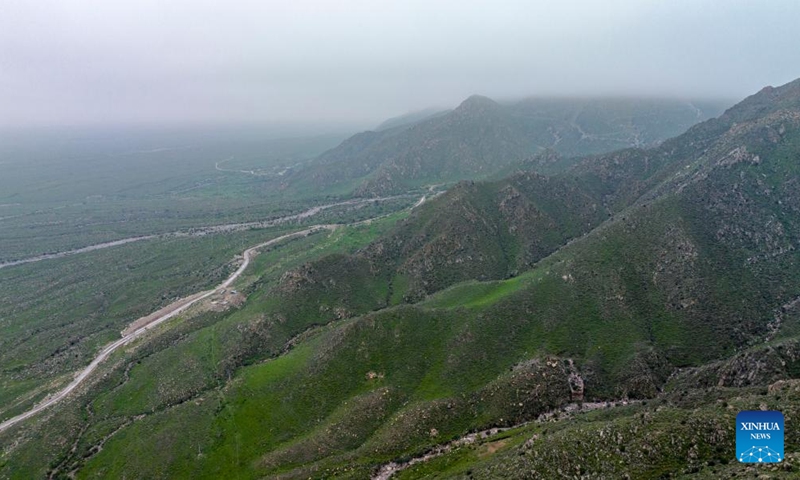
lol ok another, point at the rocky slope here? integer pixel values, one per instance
(665, 275)
(482, 137)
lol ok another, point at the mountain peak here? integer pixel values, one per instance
(783, 93)
(768, 99)
(477, 103)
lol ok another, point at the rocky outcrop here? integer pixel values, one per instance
(760, 366)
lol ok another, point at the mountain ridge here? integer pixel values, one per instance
(482, 137)
(666, 275)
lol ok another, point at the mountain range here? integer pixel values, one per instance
(602, 318)
(481, 138)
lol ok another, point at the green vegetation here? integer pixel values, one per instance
(62, 190)
(60, 312)
(676, 436)
(660, 280)
(66, 191)
(195, 357)
(481, 138)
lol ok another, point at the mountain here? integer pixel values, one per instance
(605, 321)
(482, 137)
(410, 118)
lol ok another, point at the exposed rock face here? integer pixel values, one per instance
(295, 280)
(787, 386)
(756, 367)
(575, 386)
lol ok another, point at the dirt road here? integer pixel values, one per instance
(150, 322)
(199, 231)
(142, 325)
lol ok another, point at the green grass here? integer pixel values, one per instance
(694, 438)
(445, 362)
(325, 372)
(191, 359)
(481, 294)
(58, 313)
(69, 189)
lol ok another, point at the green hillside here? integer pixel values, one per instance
(482, 137)
(661, 280)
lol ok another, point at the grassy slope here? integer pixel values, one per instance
(56, 314)
(634, 298)
(480, 138)
(674, 437)
(630, 301)
(444, 366)
(188, 359)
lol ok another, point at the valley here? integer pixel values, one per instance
(352, 240)
(210, 230)
(141, 327)
(451, 323)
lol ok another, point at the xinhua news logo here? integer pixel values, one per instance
(759, 436)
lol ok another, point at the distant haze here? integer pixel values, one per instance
(156, 62)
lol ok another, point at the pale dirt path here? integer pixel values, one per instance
(432, 192)
(152, 320)
(221, 169)
(258, 173)
(148, 322)
(99, 246)
(199, 231)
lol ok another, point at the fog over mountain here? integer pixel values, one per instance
(82, 62)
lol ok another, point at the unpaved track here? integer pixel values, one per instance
(199, 231)
(148, 322)
(177, 308)
(90, 248)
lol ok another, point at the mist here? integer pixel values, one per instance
(354, 62)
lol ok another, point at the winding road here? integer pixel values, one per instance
(198, 231)
(182, 305)
(176, 308)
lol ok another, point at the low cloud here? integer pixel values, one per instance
(186, 62)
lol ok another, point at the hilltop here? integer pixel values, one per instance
(481, 138)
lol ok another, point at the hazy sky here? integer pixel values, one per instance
(166, 62)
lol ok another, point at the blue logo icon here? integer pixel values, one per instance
(759, 436)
